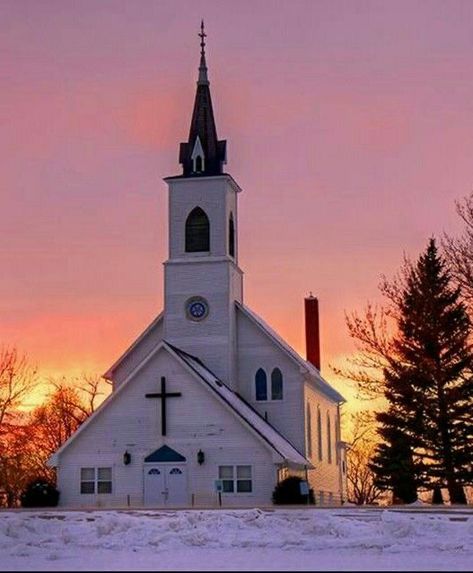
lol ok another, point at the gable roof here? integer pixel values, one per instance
(266, 431)
(165, 454)
(319, 382)
(109, 374)
(269, 435)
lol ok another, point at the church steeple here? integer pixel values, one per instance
(203, 154)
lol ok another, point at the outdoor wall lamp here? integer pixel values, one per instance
(200, 457)
(126, 458)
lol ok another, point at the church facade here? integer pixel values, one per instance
(209, 405)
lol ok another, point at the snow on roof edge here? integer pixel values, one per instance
(278, 442)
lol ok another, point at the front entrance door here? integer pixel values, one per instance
(165, 484)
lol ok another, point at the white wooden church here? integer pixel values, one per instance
(209, 404)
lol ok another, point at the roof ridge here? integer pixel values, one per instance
(330, 392)
(182, 353)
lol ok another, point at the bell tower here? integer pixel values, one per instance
(202, 277)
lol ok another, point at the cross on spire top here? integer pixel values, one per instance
(203, 64)
(202, 36)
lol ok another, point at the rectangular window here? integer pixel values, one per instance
(244, 479)
(225, 473)
(104, 480)
(236, 479)
(87, 480)
(95, 480)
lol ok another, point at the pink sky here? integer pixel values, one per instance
(349, 126)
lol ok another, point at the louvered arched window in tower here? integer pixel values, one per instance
(276, 384)
(261, 385)
(197, 231)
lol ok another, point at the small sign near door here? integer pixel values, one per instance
(304, 488)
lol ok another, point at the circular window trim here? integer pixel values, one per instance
(191, 301)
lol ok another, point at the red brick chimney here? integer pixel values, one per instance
(312, 333)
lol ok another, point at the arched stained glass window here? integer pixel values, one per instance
(276, 384)
(261, 385)
(231, 236)
(197, 231)
(319, 433)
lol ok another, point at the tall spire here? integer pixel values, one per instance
(203, 64)
(203, 154)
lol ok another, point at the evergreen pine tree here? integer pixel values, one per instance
(429, 387)
(393, 464)
(437, 498)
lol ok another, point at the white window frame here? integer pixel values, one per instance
(235, 479)
(96, 481)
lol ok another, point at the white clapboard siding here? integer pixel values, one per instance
(256, 350)
(196, 420)
(325, 477)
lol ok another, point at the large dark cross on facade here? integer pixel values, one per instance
(163, 395)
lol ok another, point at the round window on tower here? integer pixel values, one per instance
(197, 308)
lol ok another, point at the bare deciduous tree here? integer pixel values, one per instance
(18, 379)
(70, 403)
(92, 387)
(370, 333)
(21, 460)
(459, 250)
(360, 478)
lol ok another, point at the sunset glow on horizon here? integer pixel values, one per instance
(349, 129)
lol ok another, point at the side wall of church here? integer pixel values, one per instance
(197, 420)
(256, 350)
(326, 478)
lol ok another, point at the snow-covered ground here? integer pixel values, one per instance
(255, 539)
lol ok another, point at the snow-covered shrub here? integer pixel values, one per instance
(288, 491)
(40, 493)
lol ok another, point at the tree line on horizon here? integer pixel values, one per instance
(414, 362)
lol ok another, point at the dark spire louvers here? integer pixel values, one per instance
(203, 154)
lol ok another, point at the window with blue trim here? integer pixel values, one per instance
(261, 385)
